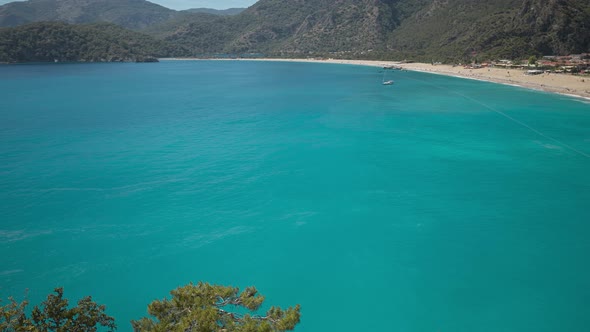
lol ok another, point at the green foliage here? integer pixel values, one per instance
(287, 27)
(132, 14)
(197, 33)
(425, 30)
(532, 60)
(199, 308)
(203, 307)
(13, 317)
(510, 29)
(449, 31)
(55, 316)
(46, 42)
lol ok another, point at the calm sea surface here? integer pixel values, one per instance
(436, 204)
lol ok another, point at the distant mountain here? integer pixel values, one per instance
(314, 25)
(293, 27)
(222, 12)
(56, 41)
(447, 30)
(460, 29)
(132, 14)
(426, 30)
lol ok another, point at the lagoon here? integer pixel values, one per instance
(435, 204)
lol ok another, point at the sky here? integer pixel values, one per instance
(186, 4)
(217, 4)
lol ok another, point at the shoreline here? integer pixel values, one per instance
(563, 84)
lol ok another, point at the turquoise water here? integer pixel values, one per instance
(413, 207)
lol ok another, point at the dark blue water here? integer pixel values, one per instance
(435, 204)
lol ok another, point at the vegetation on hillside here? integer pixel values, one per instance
(289, 27)
(131, 14)
(452, 31)
(202, 307)
(48, 42)
(198, 33)
(449, 31)
(426, 30)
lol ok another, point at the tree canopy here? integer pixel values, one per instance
(193, 308)
(206, 308)
(55, 316)
(100, 42)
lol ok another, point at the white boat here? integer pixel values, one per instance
(388, 82)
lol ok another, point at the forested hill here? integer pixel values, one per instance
(439, 30)
(55, 41)
(443, 30)
(495, 29)
(132, 14)
(288, 27)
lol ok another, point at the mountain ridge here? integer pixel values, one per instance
(426, 30)
(441, 30)
(131, 14)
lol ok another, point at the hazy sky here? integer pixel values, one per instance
(185, 4)
(217, 4)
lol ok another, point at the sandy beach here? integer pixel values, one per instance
(578, 86)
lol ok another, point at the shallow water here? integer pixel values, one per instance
(435, 204)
